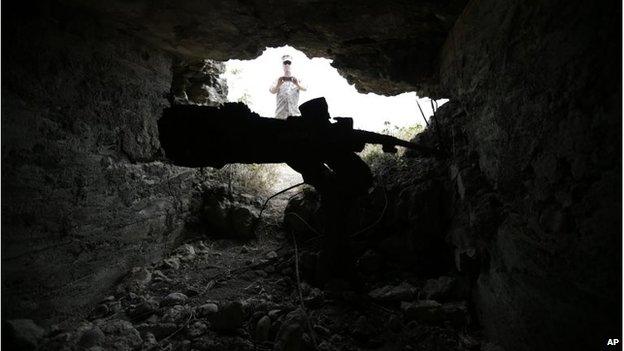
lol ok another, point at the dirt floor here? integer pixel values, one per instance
(227, 295)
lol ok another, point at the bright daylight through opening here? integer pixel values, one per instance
(249, 82)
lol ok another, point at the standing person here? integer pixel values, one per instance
(287, 88)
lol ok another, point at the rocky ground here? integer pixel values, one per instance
(217, 294)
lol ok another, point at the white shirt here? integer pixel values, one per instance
(287, 100)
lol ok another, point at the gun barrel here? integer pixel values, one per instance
(198, 136)
(364, 136)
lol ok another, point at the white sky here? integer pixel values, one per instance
(369, 111)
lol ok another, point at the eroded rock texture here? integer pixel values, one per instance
(539, 86)
(198, 82)
(534, 134)
(84, 195)
(387, 47)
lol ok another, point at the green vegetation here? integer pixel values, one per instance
(260, 179)
(255, 179)
(374, 155)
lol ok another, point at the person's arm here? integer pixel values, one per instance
(275, 87)
(299, 85)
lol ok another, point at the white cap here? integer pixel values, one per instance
(286, 58)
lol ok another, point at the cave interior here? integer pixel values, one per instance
(511, 241)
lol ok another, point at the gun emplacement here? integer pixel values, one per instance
(199, 136)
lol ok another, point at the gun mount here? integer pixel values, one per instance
(323, 152)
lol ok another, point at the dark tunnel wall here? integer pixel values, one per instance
(386, 47)
(83, 199)
(540, 85)
(537, 84)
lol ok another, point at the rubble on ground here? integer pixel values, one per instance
(227, 296)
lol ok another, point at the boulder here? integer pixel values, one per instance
(304, 207)
(89, 335)
(242, 220)
(401, 292)
(186, 252)
(207, 310)
(228, 217)
(174, 298)
(119, 332)
(137, 279)
(177, 314)
(263, 327)
(143, 310)
(149, 341)
(440, 289)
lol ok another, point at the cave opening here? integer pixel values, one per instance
(248, 81)
(359, 228)
(402, 115)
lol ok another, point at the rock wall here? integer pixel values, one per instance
(385, 47)
(538, 93)
(535, 137)
(84, 195)
(199, 82)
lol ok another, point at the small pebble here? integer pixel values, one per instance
(175, 298)
(207, 309)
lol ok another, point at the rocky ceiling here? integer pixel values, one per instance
(386, 47)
